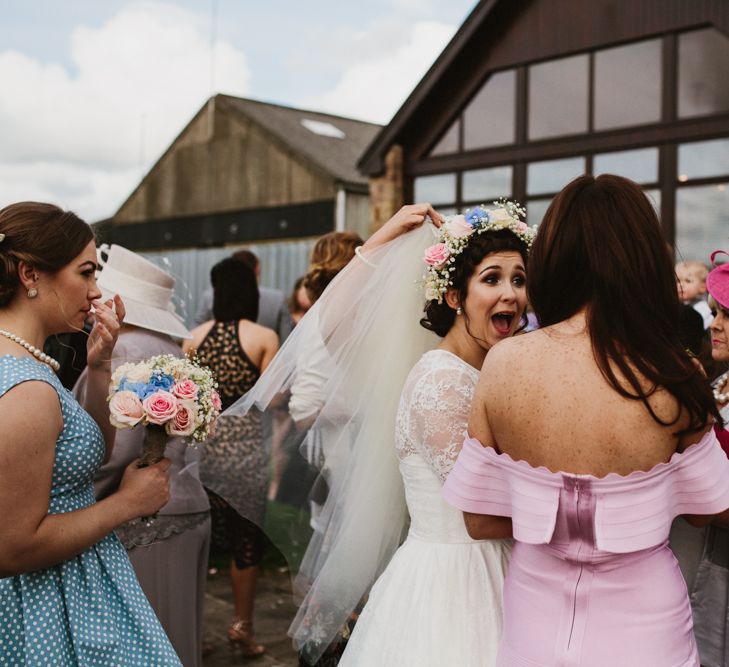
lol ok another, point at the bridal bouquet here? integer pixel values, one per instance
(168, 395)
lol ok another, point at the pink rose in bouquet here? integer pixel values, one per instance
(217, 403)
(160, 407)
(185, 390)
(436, 255)
(184, 421)
(125, 409)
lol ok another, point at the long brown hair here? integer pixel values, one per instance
(600, 247)
(42, 235)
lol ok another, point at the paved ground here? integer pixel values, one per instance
(274, 611)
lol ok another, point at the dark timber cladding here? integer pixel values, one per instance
(216, 229)
(645, 81)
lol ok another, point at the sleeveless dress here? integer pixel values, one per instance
(592, 580)
(88, 610)
(234, 463)
(439, 601)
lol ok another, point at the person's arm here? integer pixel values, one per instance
(483, 526)
(31, 538)
(409, 217)
(108, 320)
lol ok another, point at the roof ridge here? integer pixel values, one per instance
(298, 109)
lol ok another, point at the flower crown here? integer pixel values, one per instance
(454, 234)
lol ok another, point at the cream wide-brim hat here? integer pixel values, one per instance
(145, 289)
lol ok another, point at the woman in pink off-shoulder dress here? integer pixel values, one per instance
(598, 433)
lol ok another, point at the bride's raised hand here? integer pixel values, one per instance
(409, 217)
(108, 318)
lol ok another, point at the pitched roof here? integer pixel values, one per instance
(331, 142)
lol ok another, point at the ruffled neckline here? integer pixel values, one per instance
(656, 469)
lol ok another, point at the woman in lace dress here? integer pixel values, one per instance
(439, 600)
(233, 467)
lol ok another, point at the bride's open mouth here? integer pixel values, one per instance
(502, 322)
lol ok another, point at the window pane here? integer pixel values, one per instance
(655, 199)
(702, 218)
(448, 142)
(438, 189)
(628, 85)
(489, 118)
(536, 208)
(703, 60)
(553, 175)
(703, 159)
(558, 97)
(640, 165)
(486, 184)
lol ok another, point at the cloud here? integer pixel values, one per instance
(384, 71)
(82, 137)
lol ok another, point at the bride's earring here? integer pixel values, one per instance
(459, 311)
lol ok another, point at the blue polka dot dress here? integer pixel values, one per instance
(88, 610)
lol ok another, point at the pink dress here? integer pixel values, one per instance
(591, 579)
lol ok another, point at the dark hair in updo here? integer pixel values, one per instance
(235, 291)
(41, 235)
(439, 317)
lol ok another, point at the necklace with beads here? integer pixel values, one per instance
(38, 354)
(721, 383)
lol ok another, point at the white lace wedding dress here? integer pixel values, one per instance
(439, 602)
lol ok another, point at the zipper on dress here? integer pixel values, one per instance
(579, 575)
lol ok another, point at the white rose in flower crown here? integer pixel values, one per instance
(500, 215)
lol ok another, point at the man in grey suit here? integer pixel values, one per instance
(273, 312)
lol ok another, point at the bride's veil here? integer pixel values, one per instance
(340, 374)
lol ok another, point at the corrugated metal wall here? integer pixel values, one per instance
(281, 264)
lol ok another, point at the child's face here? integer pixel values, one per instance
(689, 285)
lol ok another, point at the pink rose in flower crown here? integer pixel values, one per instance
(215, 399)
(186, 390)
(522, 227)
(125, 409)
(436, 255)
(160, 407)
(458, 227)
(184, 421)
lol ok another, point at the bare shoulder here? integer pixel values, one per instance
(267, 336)
(20, 408)
(198, 334)
(513, 350)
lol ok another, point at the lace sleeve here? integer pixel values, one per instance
(439, 410)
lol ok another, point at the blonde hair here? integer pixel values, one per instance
(331, 253)
(699, 269)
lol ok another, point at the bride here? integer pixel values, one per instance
(395, 406)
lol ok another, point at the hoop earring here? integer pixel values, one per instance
(32, 293)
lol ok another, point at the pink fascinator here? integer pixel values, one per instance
(717, 282)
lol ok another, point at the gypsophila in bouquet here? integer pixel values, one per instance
(170, 396)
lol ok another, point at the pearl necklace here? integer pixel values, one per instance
(721, 383)
(38, 354)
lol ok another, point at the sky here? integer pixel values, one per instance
(93, 91)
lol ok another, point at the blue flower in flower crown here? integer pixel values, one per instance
(476, 216)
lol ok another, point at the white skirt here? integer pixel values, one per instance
(436, 604)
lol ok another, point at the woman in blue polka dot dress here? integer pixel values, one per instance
(68, 594)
